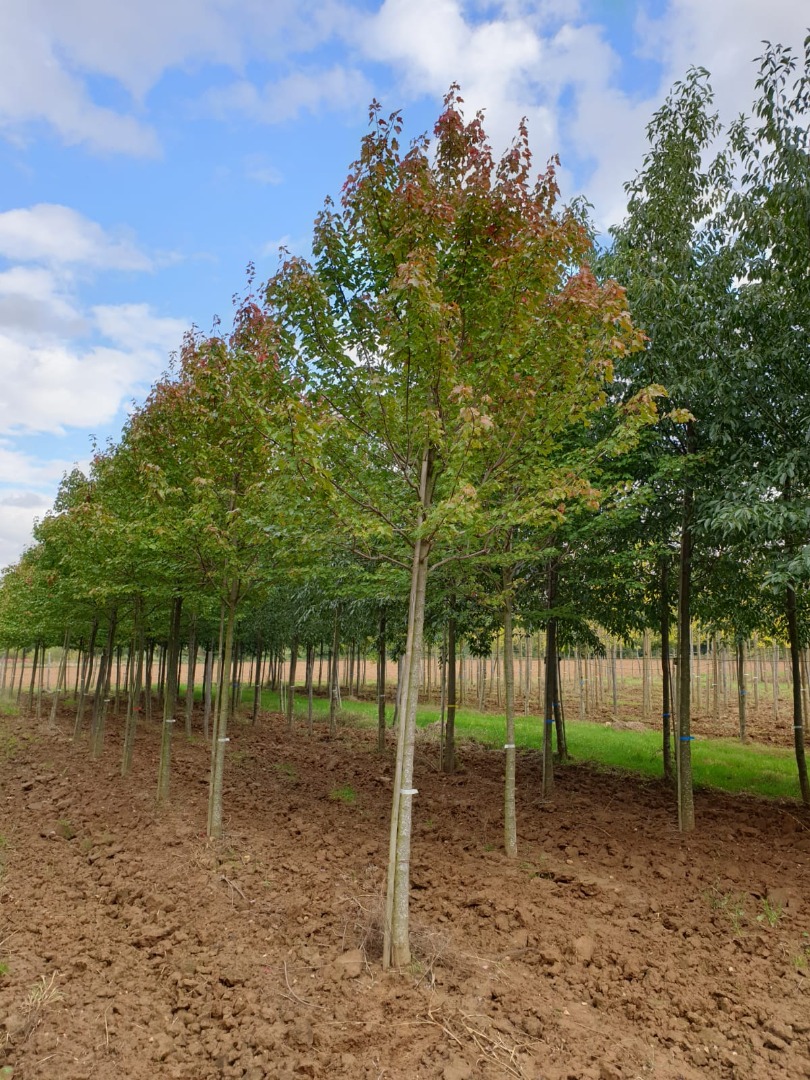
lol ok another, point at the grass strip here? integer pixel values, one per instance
(725, 764)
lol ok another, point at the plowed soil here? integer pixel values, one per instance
(134, 949)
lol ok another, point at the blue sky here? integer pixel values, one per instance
(150, 151)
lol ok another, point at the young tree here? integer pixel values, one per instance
(449, 328)
(666, 253)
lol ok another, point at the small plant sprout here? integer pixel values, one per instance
(345, 794)
(771, 913)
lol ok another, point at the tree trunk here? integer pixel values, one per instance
(150, 661)
(32, 687)
(169, 699)
(137, 649)
(509, 810)
(291, 682)
(646, 689)
(741, 690)
(381, 683)
(551, 687)
(100, 702)
(310, 680)
(257, 682)
(396, 946)
(686, 799)
(208, 679)
(220, 738)
(334, 676)
(449, 760)
(559, 713)
(798, 723)
(666, 694)
(87, 675)
(191, 674)
(61, 679)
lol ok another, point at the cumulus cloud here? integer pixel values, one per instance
(22, 470)
(498, 60)
(26, 493)
(64, 365)
(16, 523)
(50, 388)
(552, 62)
(51, 53)
(334, 89)
(58, 235)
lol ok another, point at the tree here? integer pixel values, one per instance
(668, 255)
(449, 328)
(764, 412)
(219, 489)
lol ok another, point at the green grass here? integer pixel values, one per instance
(346, 794)
(717, 763)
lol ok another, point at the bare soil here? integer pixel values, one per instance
(612, 948)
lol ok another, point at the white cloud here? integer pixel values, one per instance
(333, 90)
(20, 469)
(64, 365)
(27, 487)
(16, 523)
(50, 388)
(58, 235)
(136, 328)
(37, 302)
(36, 84)
(498, 62)
(543, 60)
(261, 171)
(50, 52)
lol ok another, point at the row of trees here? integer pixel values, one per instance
(448, 422)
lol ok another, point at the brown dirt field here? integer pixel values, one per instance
(612, 948)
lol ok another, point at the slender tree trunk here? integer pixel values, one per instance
(22, 676)
(37, 651)
(741, 689)
(291, 683)
(551, 687)
(449, 761)
(798, 720)
(87, 676)
(381, 683)
(509, 809)
(310, 680)
(220, 737)
(559, 713)
(686, 799)
(137, 650)
(150, 661)
(208, 679)
(396, 946)
(169, 700)
(257, 683)
(666, 695)
(79, 661)
(646, 689)
(61, 678)
(334, 679)
(101, 699)
(191, 674)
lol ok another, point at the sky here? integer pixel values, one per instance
(150, 151)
